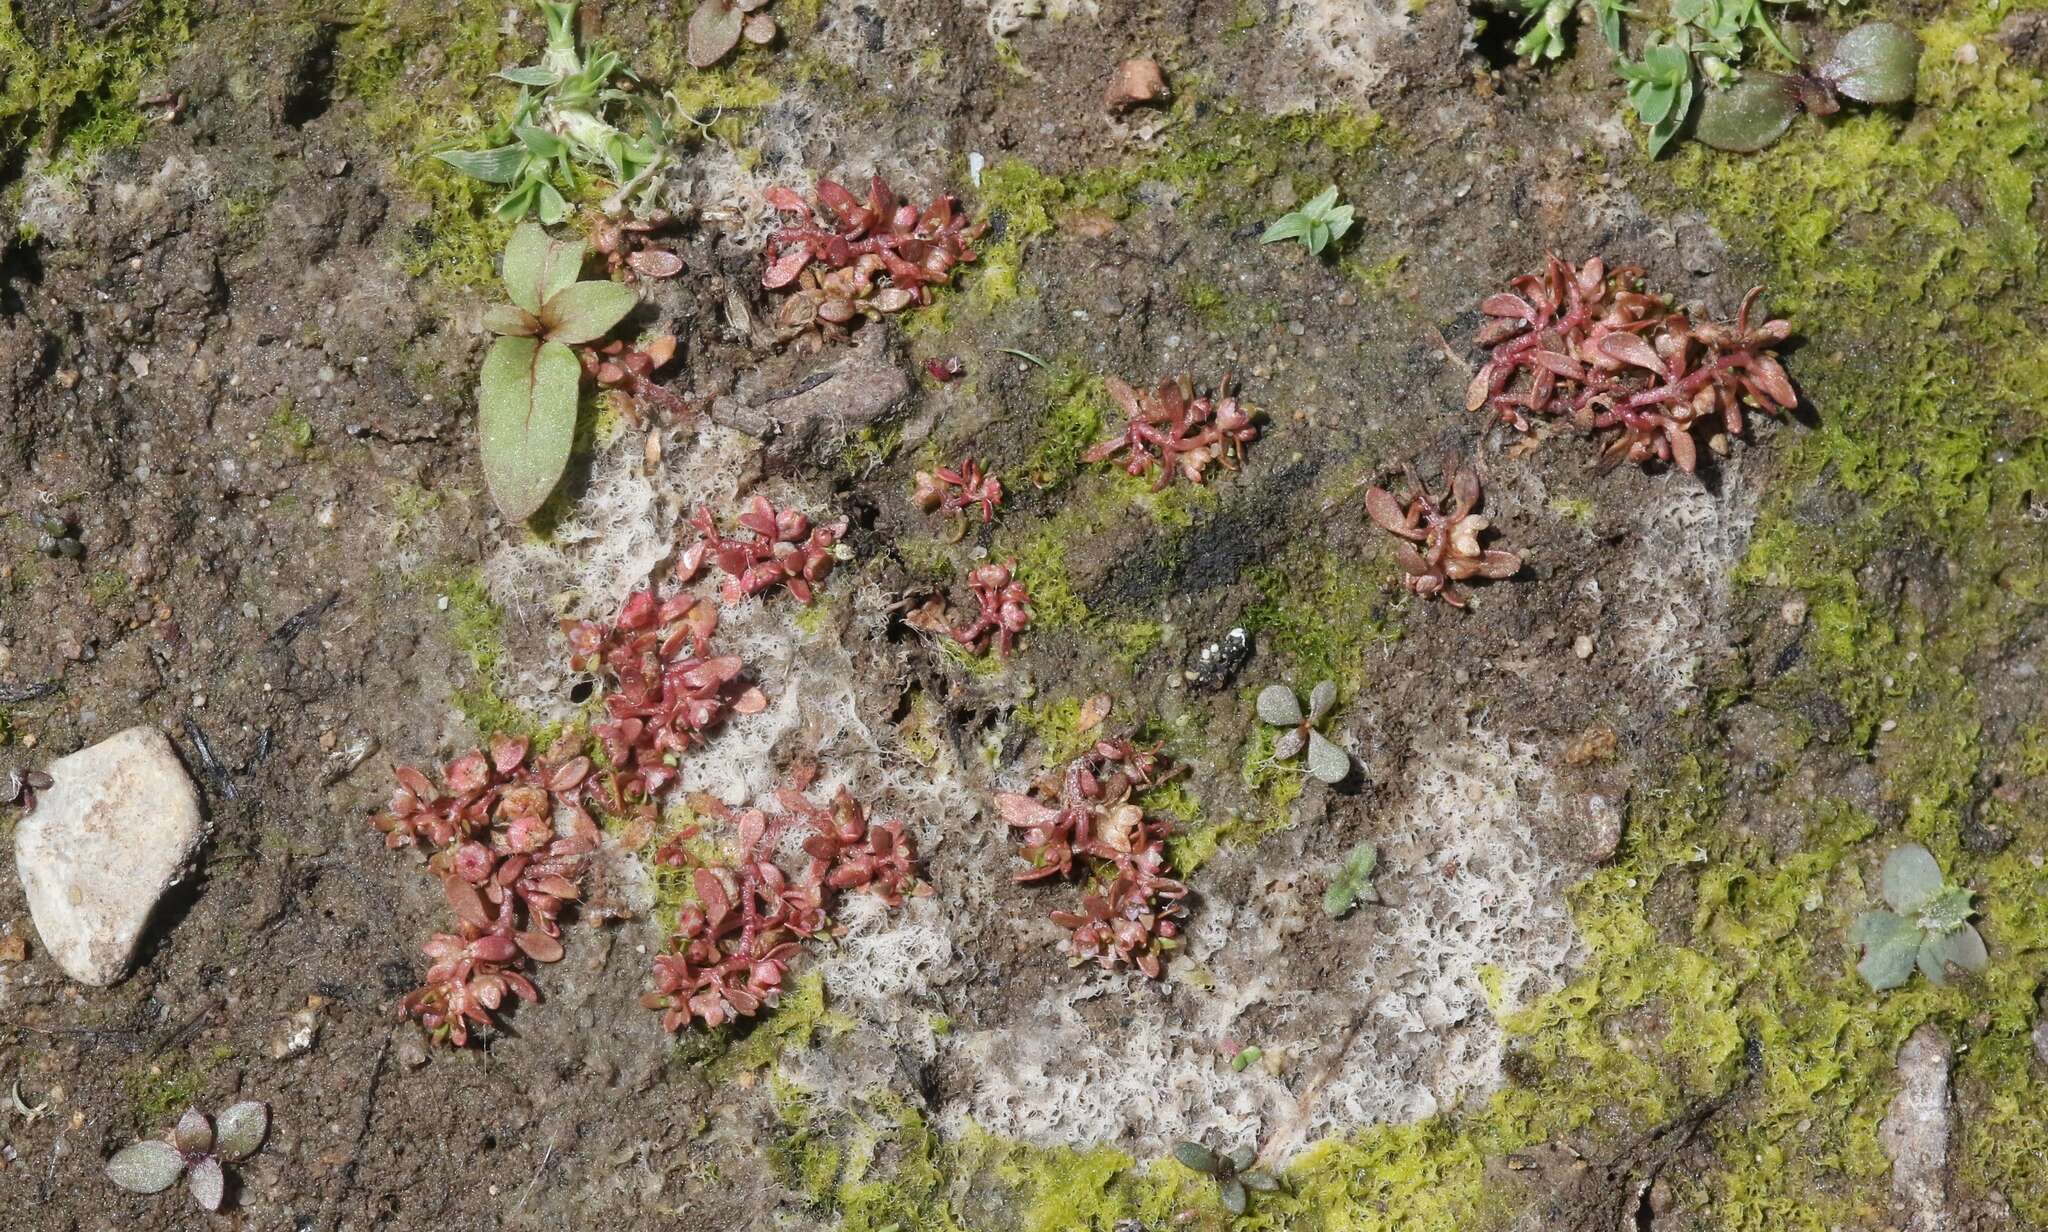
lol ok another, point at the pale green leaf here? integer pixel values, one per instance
(1278, 705)
(1890, 944)
(1875, 63)
(239, 1130)
(1287, 227)
(529, 76)
(538, 267)
(146, 1167)
(583, 311)
(526, 420)
(1326, 761)
(1746, 117)
(1911, 878)
(1964, 948)
(494, 166)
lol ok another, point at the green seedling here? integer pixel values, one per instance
(1353, 883)
(1928, 925)
(1318, 223)
(526, 399)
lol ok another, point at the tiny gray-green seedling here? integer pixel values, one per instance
(1928, 925)
(1278, 705)
(1353, 883)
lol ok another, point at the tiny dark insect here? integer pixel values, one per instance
(1220, 660)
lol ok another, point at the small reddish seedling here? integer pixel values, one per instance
(956, 489)
(786, 551)
(1005, 611)
(1173, 430)
(1448, 534)
(1081, 821)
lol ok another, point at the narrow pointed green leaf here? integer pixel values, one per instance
(495, 166)
(526, 404)
(549, 205)
(146, 1167)
(1288, 227)
(585, 311)
(530, 76)
(511, 320)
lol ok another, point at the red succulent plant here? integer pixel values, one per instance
(1172, 429)
(786, 550)
(664, 690)
(1082, 821)
(1587, 346)
(956, 489)
(1448, 534)
(628, 371)
(731, 952)
(852, 257)
(1004, 611)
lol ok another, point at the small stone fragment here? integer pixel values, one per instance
(1915, 1132)
(1135, 81)
(114, 831)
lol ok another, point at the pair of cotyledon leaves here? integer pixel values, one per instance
(1876, 63)
(197, 1149)
(1928, 925)
(526, 400)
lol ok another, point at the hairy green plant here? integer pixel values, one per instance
(1928, 925)
(1318, 223)
(1659, 89)
(526, 400)
(1353, 883)
(560, 125)
(197, 1150)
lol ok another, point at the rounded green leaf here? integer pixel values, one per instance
(1194, 1155)
(240, 1130)
(1963, 947)
(537, 267)
(1278, 705)
(1875, 63)
(145, 1167)
(1321, 699)
(1746, 116)
(526, 417)
(1911, 878)
(1233, 1196)
(1326, 761)
(1890, 944)
(1339, 898)
(208, 1182)
(584, 311)
(194, 1133)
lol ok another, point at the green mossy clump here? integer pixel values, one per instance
(1324, 613)
(76, 94)
(160, 1093)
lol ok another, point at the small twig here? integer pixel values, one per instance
(1024, 355)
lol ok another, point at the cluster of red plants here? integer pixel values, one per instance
(509, 833)
(850, 257)
(1081, 823)
(956, 489)
(628, 371)
(730, 954)
(786, 550)
(1175, 431)
(491, 836)
(1447, 532)
(1004, 611)
(1588, 346)
(664, 691)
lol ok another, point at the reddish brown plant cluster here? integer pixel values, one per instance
(851, 258)
(1448, 536)
(1587, 346)
(1081, 822)
(664, 690)
(493, 835)
(1173, 430)
(730, 954)
(1004, 611)
(956, 489)
(786, 550)
(628, 371)
(629, 250)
